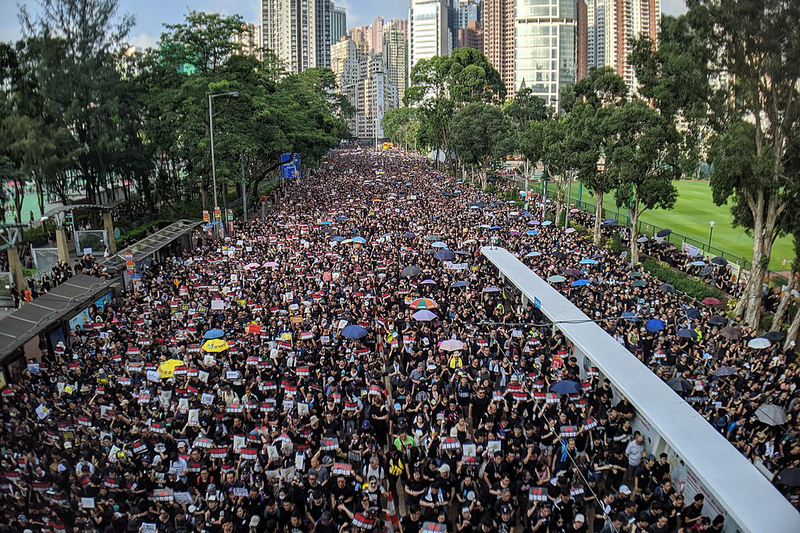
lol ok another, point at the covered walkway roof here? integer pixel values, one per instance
(32, 318)
(151, 244)
(748, 497)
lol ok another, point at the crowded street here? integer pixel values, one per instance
(352, 363)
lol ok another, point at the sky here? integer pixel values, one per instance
(152, 14)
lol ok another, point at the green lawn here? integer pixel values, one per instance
(690, 217)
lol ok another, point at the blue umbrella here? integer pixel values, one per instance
(360, 240)
(444, 255)
(609, 221)
(627, 315)
(354, 331)
(580, 282)
(495, 227)
(439, 244)
(491, 289)
(408, 235)
(688, 334)
(459, 284)
(213, 334)
(533, 254)
(588, 262)
(654, 324)
(566, 386)
(547, 222)
(698, 263)
(326, 222)
(338, 238)
(531, 232)
(341, 218)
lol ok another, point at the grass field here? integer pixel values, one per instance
(690, 217)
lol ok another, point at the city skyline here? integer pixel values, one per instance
(151, 15)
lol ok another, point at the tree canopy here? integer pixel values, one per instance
(82, 115)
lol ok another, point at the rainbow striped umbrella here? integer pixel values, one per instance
(423, 303)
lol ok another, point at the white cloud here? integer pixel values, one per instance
(143, 40)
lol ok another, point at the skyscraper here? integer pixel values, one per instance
(362, 77)
(468, 11)
(395, 53)
(338, 22)
(375, 36)
(611, 24)
(546, 47)
(429, 30)
(499, 40)
(471, 36)
(582, 68)
(250, 39)
(297, 31)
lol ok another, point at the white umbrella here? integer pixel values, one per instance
(771, 414)
(451, 345)
(759, 343)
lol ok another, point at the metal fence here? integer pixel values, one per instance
(650, 230)
(43, 259)
(92, 241)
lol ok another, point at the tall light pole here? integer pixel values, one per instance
(211, 129)
(711, 225)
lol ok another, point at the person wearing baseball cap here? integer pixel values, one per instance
(578, 525)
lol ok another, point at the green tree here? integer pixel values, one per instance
(477, 130)
(521, 111)
(443, 84)
(643, 162)
(272, 113)
(73, 49)
(395, 123)
(590, 105)
(751, 47)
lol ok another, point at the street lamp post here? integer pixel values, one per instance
(211, 129)
(711, 225)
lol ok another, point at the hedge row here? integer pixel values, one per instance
(682, 283)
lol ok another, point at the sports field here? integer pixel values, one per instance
(690, 217)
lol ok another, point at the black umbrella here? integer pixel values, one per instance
(721, 261)
(680, 385)
(667, 287)
(410, 271)
(560, 255)
(789, 477)
(706, 270)
(688, 334)
(664, 232)
(444, 255)
(691, 312)
(717, 320)
(775, 336)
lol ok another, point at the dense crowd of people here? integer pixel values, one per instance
(351, 364)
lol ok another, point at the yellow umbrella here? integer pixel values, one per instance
(167, 368)
(216, 345)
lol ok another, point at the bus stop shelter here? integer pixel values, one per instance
(42, 323)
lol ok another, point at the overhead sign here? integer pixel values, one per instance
(290, 165)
